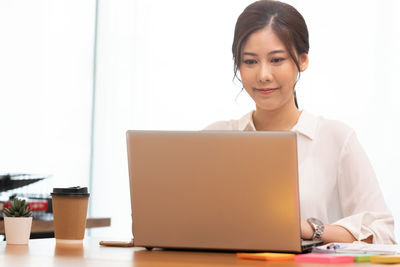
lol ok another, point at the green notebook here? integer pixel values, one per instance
(359, 257)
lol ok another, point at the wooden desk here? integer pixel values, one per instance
(44, 252)
(47, 226)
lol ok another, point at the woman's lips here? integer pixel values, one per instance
(265, 91)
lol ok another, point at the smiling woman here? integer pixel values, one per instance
(340, 199)
(269, 74)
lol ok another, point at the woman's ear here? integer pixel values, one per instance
(303, 61)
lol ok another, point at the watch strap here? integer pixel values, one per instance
(318, 228)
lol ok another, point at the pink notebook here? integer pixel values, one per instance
(323, 258)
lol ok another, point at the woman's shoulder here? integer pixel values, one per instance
(326, 135)
(319, 128)
(335, 126)
(334, 129)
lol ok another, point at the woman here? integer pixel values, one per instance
(340, 197)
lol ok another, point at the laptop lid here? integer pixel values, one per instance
(214, 190)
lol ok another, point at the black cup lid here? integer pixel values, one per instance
(76, 191)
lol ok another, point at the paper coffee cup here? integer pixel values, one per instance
(69, 210)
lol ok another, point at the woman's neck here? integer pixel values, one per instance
(277, 120)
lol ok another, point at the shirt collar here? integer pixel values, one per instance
(306, 125)
(246, 122)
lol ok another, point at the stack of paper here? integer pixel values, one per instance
(358, 248)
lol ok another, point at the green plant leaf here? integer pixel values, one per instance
(7, 213)
(18, 208)
(14, 205)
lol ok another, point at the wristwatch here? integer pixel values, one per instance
(318, 228)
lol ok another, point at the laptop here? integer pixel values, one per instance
(215, 190)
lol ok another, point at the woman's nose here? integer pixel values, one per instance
(264, 73)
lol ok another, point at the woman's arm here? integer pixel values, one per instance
(332, 233)
(365, 214)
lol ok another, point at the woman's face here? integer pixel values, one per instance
(268, 72)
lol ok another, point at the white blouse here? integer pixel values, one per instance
(336, 181)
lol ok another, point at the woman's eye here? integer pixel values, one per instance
(250, 61)
(277, 60)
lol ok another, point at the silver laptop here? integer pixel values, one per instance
(215, 190)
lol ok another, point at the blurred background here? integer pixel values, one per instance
(75, 75)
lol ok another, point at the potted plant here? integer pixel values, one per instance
(17, 222)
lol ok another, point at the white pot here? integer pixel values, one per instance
(17, 230)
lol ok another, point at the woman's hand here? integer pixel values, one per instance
(306, 230)
(332, 233)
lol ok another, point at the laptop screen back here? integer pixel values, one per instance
(215, 190)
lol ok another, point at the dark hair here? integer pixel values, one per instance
(287, 23)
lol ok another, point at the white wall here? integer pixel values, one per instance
(168, 65)
(46, 56)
